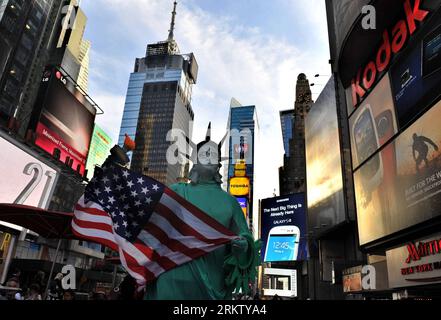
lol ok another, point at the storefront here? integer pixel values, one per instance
(391, 80)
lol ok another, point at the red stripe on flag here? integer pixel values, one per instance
(138, 268)
(199, 213)
(93, 211)
(163, 261)
(93, 225)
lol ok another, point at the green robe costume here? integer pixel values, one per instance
(215, 275)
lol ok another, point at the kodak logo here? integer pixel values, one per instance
(393, 42)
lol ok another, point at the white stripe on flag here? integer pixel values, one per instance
(89, 217)
(95, 233)
(182, 213)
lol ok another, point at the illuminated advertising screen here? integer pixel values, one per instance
(243, 202)
(416, 263)
(432, 52)
(405, 188)
(283, 228)
(99, 150)
(65, 125)
(416, 79)
(323, 162)
(33, 180)
(239, 186)
(372, 124)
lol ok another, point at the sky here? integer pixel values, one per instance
(252, 50)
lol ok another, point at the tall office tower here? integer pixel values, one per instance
(24, 27)
(83, 76)
(243, 126)
(34, 34)
(158, 100)
(293, 173)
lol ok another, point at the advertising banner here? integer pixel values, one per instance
(99, 150)
(33, 180)
(239, 186)
(323, 162)
(283, 228)
(352, 280)
(416, 263)
(65, 126)
(416, 79)
(243, 202)
(372, 124)
(281, 282)
(405, 188)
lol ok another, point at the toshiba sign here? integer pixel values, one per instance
(393, 41)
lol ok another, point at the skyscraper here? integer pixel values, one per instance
(22, 29)
(243, 126)
(33, 35)
(158, 100)
(83, 76)
(292, 176)
(72, 51)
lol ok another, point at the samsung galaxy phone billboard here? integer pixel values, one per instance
(283, 228)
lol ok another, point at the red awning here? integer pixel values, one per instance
(48, 224)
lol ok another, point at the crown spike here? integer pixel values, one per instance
(208, 135)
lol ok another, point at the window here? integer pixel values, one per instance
(26, 41)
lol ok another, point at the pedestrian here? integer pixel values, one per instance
(56, 288)
(127, 288)
(69, 295)
(13, 283)
(34, 293)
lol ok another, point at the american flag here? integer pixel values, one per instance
(153, 228)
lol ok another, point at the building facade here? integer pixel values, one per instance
(388, 82)
(22, 30)
(34, 35)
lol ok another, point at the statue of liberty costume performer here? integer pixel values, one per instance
(215, 275)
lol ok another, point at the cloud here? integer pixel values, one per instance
(234, 60)
(112, 105)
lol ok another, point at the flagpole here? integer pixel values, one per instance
(52, 269)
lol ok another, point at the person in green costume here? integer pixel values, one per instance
(215, 275)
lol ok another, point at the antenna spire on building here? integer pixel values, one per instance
(172, 23)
